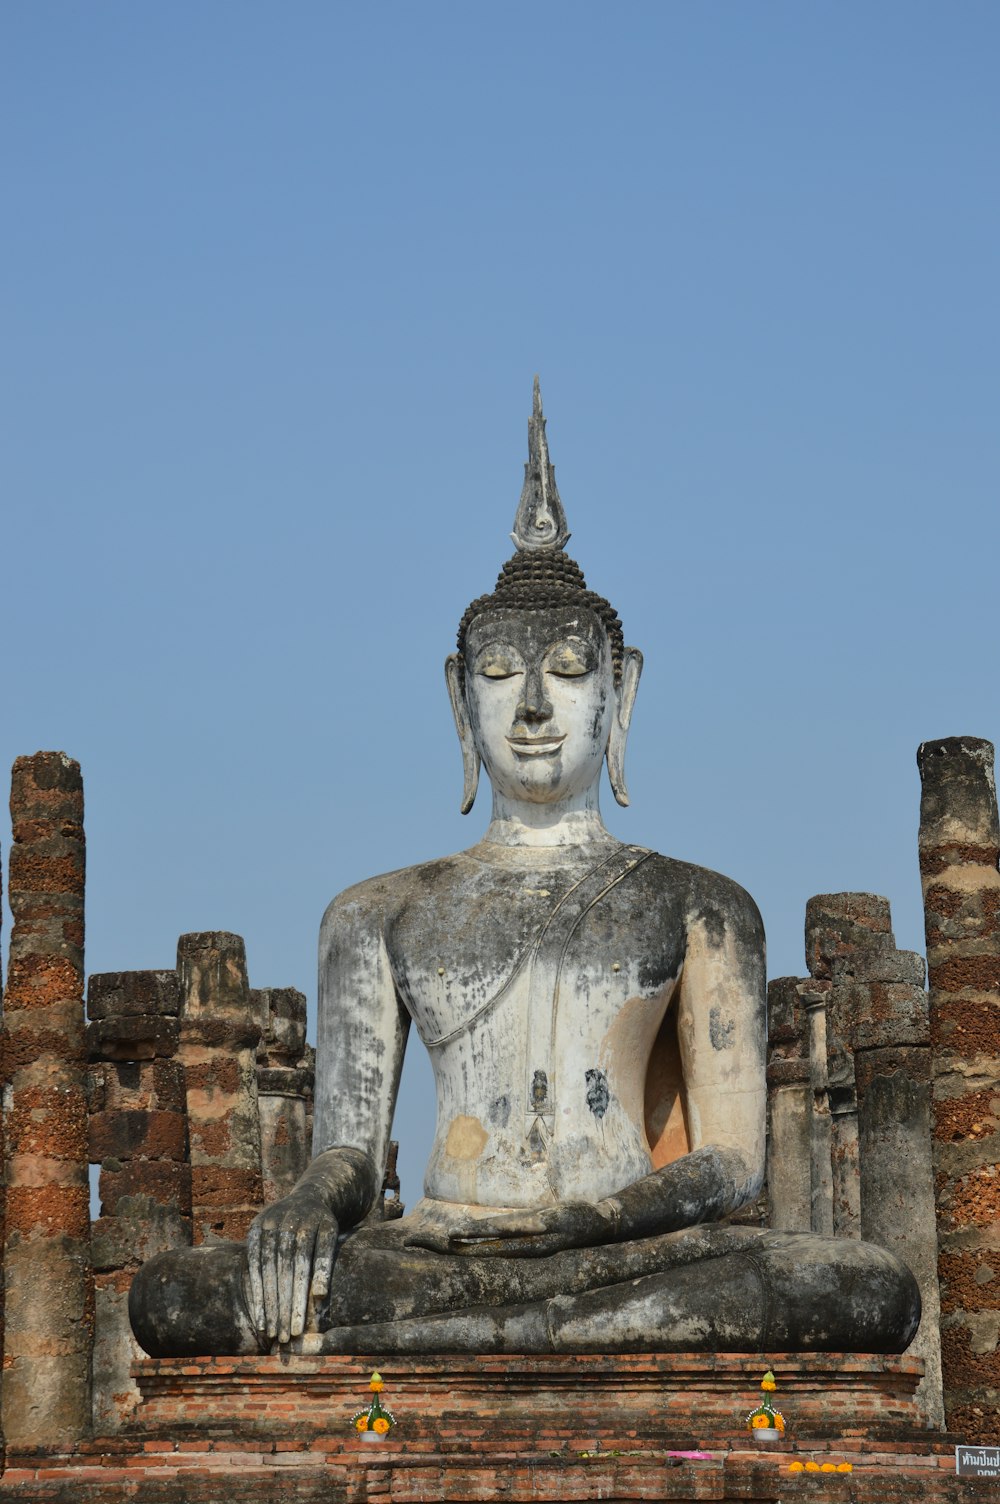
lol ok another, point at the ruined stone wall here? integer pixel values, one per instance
(959, 849)
(849, 1110)
(286, 1072)
(139, 1137)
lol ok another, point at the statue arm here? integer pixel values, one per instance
(291, 1246)
(722, 1035)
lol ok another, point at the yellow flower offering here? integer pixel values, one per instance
(768, 1382)
(376, 1383)
(361, 1424)
(380, 1424)
(828, 1467)
(796, 1467)
(760, 1422)
(845, 1467)
(812, 1467)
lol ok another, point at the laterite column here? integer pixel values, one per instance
(959, 848)
(219, 1034)
(285, 1076)
(49, 1283)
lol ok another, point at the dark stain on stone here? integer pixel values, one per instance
(499, 1113)
(718, 1032)
(598, 1095)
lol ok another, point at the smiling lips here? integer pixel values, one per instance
(535, 746)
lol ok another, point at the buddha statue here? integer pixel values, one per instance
(595, 1017)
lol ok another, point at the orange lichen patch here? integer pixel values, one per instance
(970, 1281)
(234, 1225)
(33, 872)
(50, 1209)
(974, 1116)
(977, 1424)
(40, 980)
(137, 1135)
(957, 854)
(944, 901)
(25, 1047)
(958, 973)
(73, 931)
(974, 1200)
(119, 1280)
(211, 1137)
(960, 1358)
(218, 1185)
(49, 1120)
(217, 1074)
(969, 1025)
(160, 1179)
(39, 829)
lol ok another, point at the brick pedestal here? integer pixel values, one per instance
(487, 1401)
(528, 1430)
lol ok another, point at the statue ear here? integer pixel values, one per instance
(470, 752)
(625, 699)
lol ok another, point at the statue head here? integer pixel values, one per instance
(542, 686)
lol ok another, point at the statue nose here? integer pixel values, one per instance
(533, 705)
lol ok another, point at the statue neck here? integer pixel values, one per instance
(575, 821)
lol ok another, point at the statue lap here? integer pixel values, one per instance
(704, 1289)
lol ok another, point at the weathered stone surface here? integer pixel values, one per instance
(282, 1015)
(219, 1034)
(840, 926)
(959, 846)
(596, 1017)
(117, 994)
(138, 1134)
(285, 1082)
(48, 1277)
(789, 1108)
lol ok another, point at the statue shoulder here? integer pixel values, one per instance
(379, 899)
(708, 898)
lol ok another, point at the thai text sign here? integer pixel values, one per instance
(978, 1462)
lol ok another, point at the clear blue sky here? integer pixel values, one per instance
(276, 279)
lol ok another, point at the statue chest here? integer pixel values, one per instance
(540, 1034)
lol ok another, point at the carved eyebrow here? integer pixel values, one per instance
(497, 661)
(571, 657)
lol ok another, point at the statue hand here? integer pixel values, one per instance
(525, 1234)
(291, 1247)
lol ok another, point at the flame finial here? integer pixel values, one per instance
(540, 522)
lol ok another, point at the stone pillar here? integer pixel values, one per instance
(138, 1135)
(841, 928)
(49, 1284)
(219, 1034)
(959, 848)
(285, 1077)
(789, 1127)
(892, 1071)
(876, 1032)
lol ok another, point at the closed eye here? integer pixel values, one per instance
(498, 671)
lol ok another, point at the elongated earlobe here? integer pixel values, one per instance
(625, 697)
(470, 752)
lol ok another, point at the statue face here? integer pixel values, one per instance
(540, 693)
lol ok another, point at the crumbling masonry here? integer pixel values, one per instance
(193, 1093)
